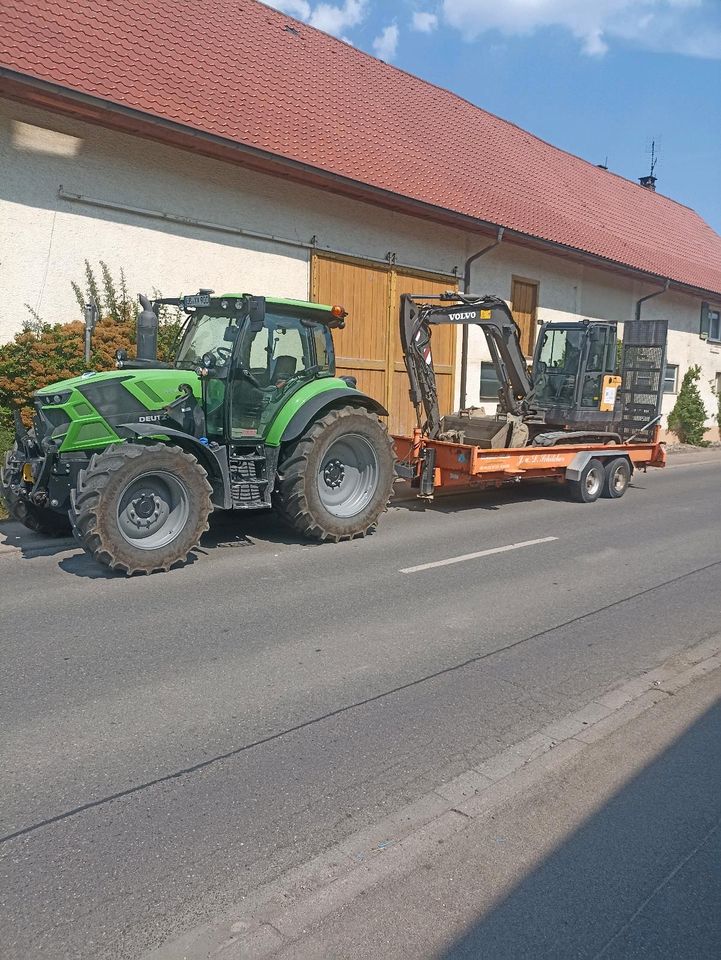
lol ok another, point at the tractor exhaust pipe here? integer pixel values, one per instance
(147, 331)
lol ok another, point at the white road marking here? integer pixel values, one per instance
(475, 556)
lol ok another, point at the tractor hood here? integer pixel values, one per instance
(89, 411)
(162, 379)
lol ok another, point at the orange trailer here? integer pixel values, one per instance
(590, 470)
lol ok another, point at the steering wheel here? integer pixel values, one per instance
(223, 354)
(306, 371)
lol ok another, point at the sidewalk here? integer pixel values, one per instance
(615, 854)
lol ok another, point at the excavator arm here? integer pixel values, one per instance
(502, 335)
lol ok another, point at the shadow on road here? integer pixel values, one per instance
(475, 499)
(30, 544)
(640, 878)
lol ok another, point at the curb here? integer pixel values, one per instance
(281, 912)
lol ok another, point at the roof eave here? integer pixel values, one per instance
(43, 94)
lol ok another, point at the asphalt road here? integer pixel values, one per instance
(170, 743)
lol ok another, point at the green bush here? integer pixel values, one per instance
(43, 353)
(688, 417)
(717, 393)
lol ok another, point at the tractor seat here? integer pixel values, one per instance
(283, 369)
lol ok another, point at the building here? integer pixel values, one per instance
(228, 145)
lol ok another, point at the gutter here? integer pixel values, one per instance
(650, 296)
(464, 329)
(21, 87)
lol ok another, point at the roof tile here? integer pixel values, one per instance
(233, 69)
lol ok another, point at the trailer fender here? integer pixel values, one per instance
(575, 467)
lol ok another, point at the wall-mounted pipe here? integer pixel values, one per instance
(464, 330)
(649, 296)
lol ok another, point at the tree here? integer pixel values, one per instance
(688, 417)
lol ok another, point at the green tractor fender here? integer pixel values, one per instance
(214, 462)
(292, 423)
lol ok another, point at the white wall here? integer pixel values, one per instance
(45, 239)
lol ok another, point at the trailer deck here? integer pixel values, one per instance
(436, 465)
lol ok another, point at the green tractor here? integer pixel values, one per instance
(249, 416)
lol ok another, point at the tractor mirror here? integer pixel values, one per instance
(256, 312)
(230, 335)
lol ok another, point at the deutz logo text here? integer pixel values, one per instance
(151, 419)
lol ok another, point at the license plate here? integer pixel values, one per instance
(197, 300)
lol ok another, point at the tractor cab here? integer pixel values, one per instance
(574, 373)
(253, 354)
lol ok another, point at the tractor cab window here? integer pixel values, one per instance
(206, 333)
(557, 365)
(271, 364)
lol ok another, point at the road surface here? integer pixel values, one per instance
(171, 743)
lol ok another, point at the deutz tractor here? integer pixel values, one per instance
(249, 416)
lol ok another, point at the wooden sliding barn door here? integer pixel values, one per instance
(369, 348)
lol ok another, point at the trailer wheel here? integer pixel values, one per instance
(617, 478)
(141, 509)
(589, 485)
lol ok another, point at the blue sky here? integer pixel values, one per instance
(599, 78)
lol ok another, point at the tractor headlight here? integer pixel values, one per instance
(55, 399)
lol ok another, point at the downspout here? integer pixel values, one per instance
(649, 296)
(464, 331)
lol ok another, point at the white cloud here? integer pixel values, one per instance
(682, 26)
(335, 18)
(331, 17)
(424, 22)
(386, 43)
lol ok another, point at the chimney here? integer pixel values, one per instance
(648, 182)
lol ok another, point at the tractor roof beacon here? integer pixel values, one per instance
(249, 415)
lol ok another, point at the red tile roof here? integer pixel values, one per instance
(242, 71)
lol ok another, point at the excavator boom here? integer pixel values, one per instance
(492, 315)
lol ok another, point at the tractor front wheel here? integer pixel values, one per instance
(141, 509)
(336, 480)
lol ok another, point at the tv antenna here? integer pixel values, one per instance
(653, 149)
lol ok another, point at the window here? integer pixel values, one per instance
(710, 322)
(670, 379)
(714, 324)
(490, 384)
(557, 367)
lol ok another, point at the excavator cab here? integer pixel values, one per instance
(574, 374)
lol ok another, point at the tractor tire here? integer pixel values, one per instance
(588, 487)
(336, 480)
(38, 519)
(617, 478)
(141, 509)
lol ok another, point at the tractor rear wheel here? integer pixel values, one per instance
(336, 480)
(141, 509)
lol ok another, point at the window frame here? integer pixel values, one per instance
(674, 367)
(715, 311)
(489, 397)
